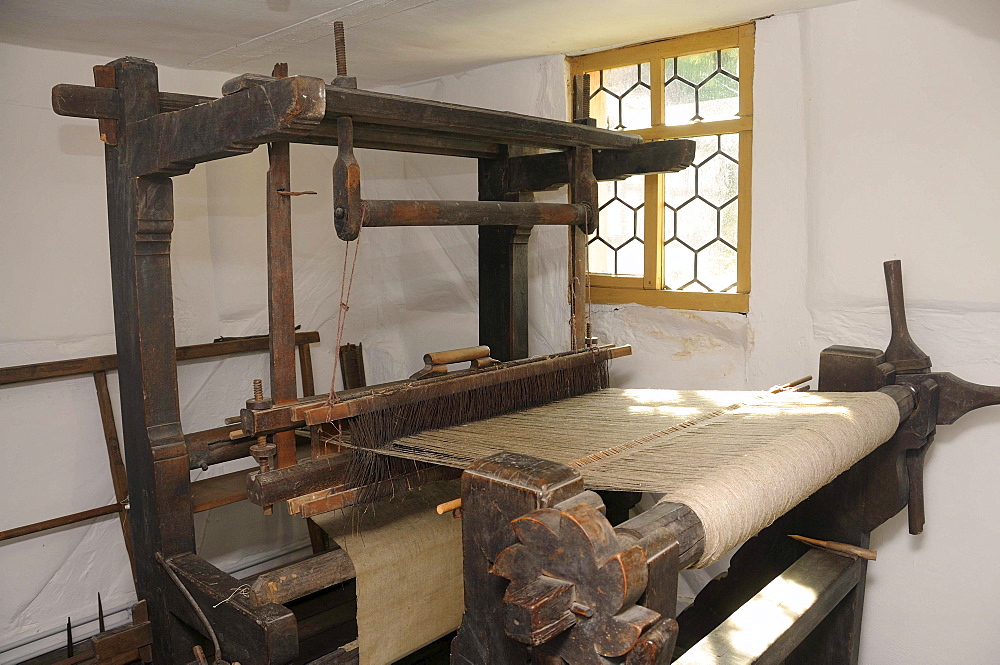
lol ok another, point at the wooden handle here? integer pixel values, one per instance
(437, 363)
(902, 351)
(457, 355)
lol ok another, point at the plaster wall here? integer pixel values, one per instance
(872, 141)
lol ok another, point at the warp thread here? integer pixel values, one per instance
(738, 469)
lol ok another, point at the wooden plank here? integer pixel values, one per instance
(302, 578)
(767, 628)
(78, 366)
(345, 655)
(219, 491)
(306, 370)
(119, 475)
(352, 365)
(393, 110)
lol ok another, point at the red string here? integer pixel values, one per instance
(346, 282)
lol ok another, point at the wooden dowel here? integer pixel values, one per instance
(57, 522)
(449, 506)
(839, 548)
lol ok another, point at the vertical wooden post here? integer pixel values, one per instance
(583, 189)
(281, 293)
(503, 271)
(140, 220)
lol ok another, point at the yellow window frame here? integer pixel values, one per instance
(649, 289)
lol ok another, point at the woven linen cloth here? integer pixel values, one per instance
(408, 565)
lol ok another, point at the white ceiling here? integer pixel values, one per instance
(389, 41)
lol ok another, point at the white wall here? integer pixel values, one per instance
(872, 141)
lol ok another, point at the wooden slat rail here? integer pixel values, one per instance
(78, 366)
(210, 493)
(770, 625)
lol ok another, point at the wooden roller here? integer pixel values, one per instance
(437, 362)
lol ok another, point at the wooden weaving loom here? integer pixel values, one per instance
(194, 609)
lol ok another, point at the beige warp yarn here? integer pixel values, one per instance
(740, 460)
(408, 565)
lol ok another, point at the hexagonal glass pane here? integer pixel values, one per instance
(630, 259)
(730, 61)
(679, 107)
(717, 266)
(605, 108)
(718, 180)
(601, 258)
(605, 191)
(632, 190)
(616, 223)
(704, 148)
(697, 224)
(619, 80)
(635, 110)
(719, 98)
(678, 188)
(678, 265)
(729, 223)
(697, 67)
(730, 144)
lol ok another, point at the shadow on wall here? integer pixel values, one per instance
(981, 17)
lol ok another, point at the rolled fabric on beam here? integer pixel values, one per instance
(473, 213)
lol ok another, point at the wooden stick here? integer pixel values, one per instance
(839, 548)
(449, 506)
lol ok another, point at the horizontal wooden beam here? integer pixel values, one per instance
(171, 144)
(248, 633)
(80, 366)
(472, 213)
(536, 173)
(302, 578)
(364, 106)
(770, 625)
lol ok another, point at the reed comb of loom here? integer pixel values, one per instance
(377, 419)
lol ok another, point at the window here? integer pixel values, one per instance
(678, 239)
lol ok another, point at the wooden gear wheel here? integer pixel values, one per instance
(573, 585)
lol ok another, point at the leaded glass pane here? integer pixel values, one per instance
(701, 218)
(702, 86)
(617, 246)
(619, 97)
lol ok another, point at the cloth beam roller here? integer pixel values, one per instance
(739, 460)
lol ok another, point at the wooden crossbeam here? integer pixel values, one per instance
(770, 625)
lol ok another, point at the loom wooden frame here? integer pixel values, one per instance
(649, 289)
(150, 137)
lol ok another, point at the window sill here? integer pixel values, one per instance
(706, 302)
